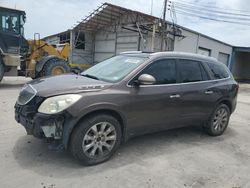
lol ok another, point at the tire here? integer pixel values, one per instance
(60, 65)
(84, 138)
(218, 121)
(1, 69)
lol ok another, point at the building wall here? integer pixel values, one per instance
(77, 56)
(187, 43)
(109, 43)
(126, 41)
(53, 40)
(193, 41)
(83, 56)
(215, 46)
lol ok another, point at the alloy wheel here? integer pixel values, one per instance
(220, 120)
(99, 140)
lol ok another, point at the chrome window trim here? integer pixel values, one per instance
(176, 59)
(180, 83)
(35, 92)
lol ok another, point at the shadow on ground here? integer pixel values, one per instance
(33, 154)
(10, 86)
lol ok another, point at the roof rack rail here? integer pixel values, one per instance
(131, 52)
(136, 52)
(148, 52)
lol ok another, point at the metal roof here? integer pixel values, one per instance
(11, 9)
(107, 15)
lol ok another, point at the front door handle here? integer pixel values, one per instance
(174, 96)
(208, 92)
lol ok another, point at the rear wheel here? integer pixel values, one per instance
(219, 120)
(1, 69)
(95, 139)
(55, 67)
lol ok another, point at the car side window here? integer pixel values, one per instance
(190, 71)
(163, 70)
(204, 73)
(218, 70)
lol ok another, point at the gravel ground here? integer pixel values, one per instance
(178, 158)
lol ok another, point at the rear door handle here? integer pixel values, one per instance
(208, 92)
(174, 96)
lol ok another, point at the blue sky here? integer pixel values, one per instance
(52, 16)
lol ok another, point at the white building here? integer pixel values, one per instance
(111, 29)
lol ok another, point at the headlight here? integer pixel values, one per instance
(59, 103)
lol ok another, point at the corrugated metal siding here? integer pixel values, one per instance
(80, 56)
(107, 44)
(104, 46)
(126, 41)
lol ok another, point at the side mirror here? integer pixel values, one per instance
(146, 79)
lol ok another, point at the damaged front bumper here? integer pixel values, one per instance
(40, 125)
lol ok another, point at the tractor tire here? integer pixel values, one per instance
(55, 67)
(1, 69)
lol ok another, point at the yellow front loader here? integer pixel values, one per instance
(44, 59)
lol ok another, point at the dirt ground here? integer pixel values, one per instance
(178, 158)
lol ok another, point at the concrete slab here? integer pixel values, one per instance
(178, 158)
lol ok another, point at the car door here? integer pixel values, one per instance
(156, 106)
(197, 98)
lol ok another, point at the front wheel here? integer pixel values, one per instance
(95, 139)
(218, 122)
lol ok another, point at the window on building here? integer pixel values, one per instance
(218, 70)
(64, 37)
(164, 71)
(223, 58)
(80, 40)
(190, 71)
(204, 51)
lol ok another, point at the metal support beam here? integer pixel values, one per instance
(71, 46)
(164, 24)
(153, 37)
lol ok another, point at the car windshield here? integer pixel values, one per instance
(115, 68)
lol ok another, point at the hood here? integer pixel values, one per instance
(67, 83)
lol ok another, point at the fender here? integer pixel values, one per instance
(40, 64)
(70, 125)
(227, 99)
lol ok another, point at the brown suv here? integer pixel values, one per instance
(129, 94)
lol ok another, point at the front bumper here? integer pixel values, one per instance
(40, 125)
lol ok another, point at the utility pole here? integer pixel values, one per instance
(151, 9)
(164, 24)
(153, 36)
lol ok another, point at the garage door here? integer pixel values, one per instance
(223, 58)
(204, 51)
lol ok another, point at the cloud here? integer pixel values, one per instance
(49, 17)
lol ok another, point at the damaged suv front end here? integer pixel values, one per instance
(42, 107)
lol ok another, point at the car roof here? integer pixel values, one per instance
(171, 54)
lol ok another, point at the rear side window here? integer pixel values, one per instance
(190, 71)
(164, 71)
(218, 70)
